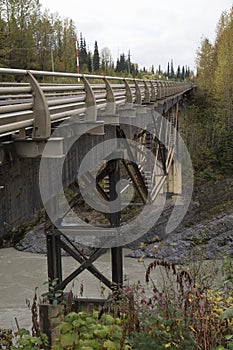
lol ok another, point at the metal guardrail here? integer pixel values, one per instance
(37, 105)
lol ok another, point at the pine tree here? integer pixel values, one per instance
(172, 75)
(187, 72)
(122, 65)
(89, 61)
(178, 74)
(82, 54)
(96, 58)
(182, 73)
(84, 51)
(168, 70)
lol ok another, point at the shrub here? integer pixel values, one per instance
(183, 312)
(87, 331)
(26, 341)
(180, 313)
(156, 318)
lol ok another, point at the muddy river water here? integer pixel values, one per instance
(21, 272)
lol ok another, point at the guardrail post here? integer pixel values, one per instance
(147, 93)
(128, 92)
(91, 112)
(138, 93)
(152, 92)
(163, 89)
(41, 114)
(166, 89)
(111, 105)
(159, 90)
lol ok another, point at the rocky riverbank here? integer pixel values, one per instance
(206, 230)
(211, 239)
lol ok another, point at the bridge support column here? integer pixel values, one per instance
(53, 240)
(175, 178)
(116, 252)
(54, 257)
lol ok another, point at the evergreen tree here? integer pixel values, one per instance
(134, 70)
(182, 73)
(89, 61)
(96, 58)
(168, 70)
(187, 72)
(84, 51)
(172, 75)
(82, 54)
(129, 62)
(178, 74)
(122, 65)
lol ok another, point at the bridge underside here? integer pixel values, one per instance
(146, 168)
(102, 146)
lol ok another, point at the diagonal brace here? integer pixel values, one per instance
(85, 264)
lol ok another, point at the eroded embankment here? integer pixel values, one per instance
(206, 230)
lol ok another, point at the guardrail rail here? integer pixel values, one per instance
(35, 105)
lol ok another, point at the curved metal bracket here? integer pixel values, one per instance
(163, 90)
(153, 93)
(111, 104)
(41, 114)
(128, 94)
(159, 90)
(147, 93)
(138, 93)
(166, 86)
(91, 111)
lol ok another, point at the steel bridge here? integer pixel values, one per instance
(50, 122)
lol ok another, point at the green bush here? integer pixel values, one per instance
(158, 332)
(22, 339)
(179, 313)
(25, 341)
(87, 331)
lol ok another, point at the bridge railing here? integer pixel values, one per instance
(36, 105)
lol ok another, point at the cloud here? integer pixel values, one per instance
(154, 31)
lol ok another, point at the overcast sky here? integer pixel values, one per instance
(155, 31)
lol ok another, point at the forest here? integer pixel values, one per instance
(210, 112)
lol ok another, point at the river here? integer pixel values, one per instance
(21, 272)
